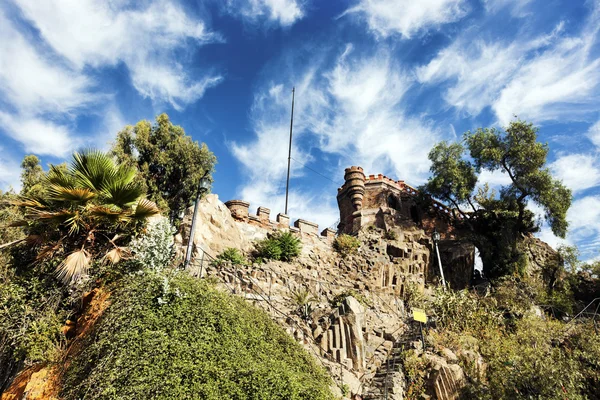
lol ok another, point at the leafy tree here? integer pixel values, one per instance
(32, 176)
(170, 163)
(498, 221)
(84, 212)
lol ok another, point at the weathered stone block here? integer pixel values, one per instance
(263, 215)
(238, 209)
(307, 227)
(283, 221)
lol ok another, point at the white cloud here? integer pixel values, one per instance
(542, 78)
(577, 171)
(284, 12)
(9, 172)
(150, 41)
(34, 83)
(495, 179)
(353, 108)
(517, 7)
(408, 17)
(594, 134)
(584, 227)
(39, 136)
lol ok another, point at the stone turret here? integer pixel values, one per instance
(355, 186)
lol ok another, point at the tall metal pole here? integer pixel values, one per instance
(287, 185)
(440, 265)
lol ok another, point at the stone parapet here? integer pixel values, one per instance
(307, 227)
(263, 215)
(283, 221)
(238, 209)
(328, 233)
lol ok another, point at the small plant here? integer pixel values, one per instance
(279, 246)
(346, 244)
(153, 249)
(339, 298)
(230, 255)
(268, 249)
(303, 298)
(390, 235)
(345, 390)
(289, 244)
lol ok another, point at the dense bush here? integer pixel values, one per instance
(197, 343)
(346, 244)
(528, 357)
(231, 255)
(154, 247)
(279, 246)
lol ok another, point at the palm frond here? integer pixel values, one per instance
(75, 223)
(92, 168)
(110, 213)
(27, 202)
(115, 255)
(120, 194)
(74, 266)
(59, 216)
(60, 193)
(60, 177)
(34, 240)
(144, 209)
(17, 224)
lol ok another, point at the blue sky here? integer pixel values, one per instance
(378, 82)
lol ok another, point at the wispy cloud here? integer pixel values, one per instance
(407, 17)
(577, 171)
(518, 8)
(541, 78)
(283, 12)
(151, 41)
(9, 171)
(39, 136)
(34, 83)
(353, 109)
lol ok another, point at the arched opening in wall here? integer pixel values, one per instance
(477, 268)
(394, 281)
(414, 214)
(391, 201)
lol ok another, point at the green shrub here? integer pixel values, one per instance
(339, 298)
(289, 244)
(346, 244)
(279, 246)
(390, 235)
(199, 343)
(268, 249)
(154, 247)
(231, 255)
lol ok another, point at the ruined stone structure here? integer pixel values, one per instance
(355, 340)
(384, 203)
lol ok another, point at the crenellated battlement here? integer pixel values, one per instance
(240, 212)
(380, 200)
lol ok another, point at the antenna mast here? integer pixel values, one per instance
(287, 185)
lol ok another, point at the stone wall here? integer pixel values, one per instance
(383, 202)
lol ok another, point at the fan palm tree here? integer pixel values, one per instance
(85, 210)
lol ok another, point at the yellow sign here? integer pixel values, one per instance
(419, 315)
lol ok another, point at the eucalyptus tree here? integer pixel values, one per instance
(498, 221)
(170, 163)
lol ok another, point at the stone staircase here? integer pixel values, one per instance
(389, 381)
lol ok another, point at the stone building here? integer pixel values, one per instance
(388, 204)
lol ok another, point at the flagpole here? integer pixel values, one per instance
(287, 185)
